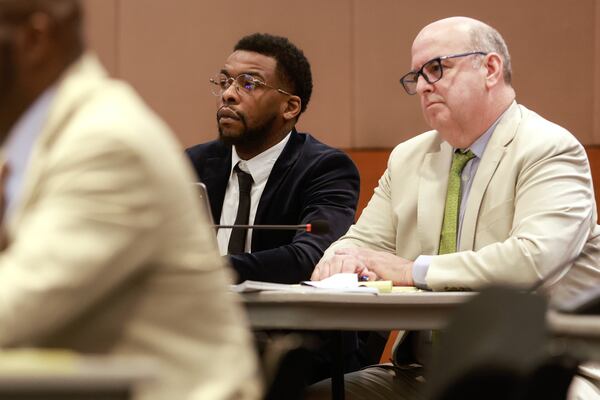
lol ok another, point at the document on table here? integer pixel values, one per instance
(338, 283)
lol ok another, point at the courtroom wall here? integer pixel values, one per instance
(358, 50)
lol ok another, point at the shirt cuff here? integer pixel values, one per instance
(420, 268)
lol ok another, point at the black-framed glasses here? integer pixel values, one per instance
(432, 71)
(246, 82)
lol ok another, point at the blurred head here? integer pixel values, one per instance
(468, 73)
(263, 88)
(39, 39)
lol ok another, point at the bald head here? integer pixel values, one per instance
(472, 35)
(472, 66)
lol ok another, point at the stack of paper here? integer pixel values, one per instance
(338, 283)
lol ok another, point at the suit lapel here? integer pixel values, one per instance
(216, 176)
(494, 151)
(281, 168)
(433, 182)
(485, 171)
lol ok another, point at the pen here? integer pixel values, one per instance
(363, 278)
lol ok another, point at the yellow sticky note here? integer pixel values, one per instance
(382, 286)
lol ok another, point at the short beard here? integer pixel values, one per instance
(250, 137)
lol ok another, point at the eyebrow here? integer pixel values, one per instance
(251, 73)
(421, 66)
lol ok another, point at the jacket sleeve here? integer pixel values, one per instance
(330, 193)
(89, 230)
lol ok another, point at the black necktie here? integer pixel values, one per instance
(237, 241)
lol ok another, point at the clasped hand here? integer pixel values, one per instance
(366, 262)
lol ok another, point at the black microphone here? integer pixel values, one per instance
(317, 227)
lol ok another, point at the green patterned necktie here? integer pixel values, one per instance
(449, 227)
(451, 210)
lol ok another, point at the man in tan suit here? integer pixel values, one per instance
(107, 251)
(519, 209)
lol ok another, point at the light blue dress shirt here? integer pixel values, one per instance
(19, 144)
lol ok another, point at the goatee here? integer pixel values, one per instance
(249, 137)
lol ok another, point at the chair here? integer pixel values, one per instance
(496, 348)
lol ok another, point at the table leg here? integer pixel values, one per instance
(337, 377)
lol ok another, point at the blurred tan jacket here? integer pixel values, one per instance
(110, 253)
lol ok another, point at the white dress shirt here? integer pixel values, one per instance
(19, 143)
(260, 168)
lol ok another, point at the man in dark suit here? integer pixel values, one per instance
(262, 171)
(293, 178)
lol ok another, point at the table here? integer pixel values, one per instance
(312, 310)
(32, 374)
(580, 333)
(407, 311)
(351, 311)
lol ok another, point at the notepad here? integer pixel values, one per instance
(382, 286)
(350, 281)
(257, 286)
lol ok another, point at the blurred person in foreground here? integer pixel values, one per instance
(494, 194)
(105, 250)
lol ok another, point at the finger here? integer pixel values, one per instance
(323, 271)
(368, 274)
(356, 251)
(349, 251)
(352, 265)
(336, 265)
(364, 255)
(317, 271)
(371, 276)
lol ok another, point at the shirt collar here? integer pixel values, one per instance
(260, 165)
(478, 147)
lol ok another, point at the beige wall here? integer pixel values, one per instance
(358, 50)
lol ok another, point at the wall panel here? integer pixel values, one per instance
(168, 52)
(358, 50)
(551, 47)
(101, 30)
(372, 164)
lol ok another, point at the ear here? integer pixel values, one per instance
(33, 40)
(291, 108)
(494, 69)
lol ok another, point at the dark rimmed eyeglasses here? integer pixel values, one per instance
(432, 71)
(246, 82)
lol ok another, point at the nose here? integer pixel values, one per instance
(422, 85)
(230, 95)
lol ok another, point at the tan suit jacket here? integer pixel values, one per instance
(530, 210)
(109, 252)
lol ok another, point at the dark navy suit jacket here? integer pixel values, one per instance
(309, 181)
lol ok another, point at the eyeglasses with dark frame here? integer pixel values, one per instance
(246, 82)
(432, 71)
